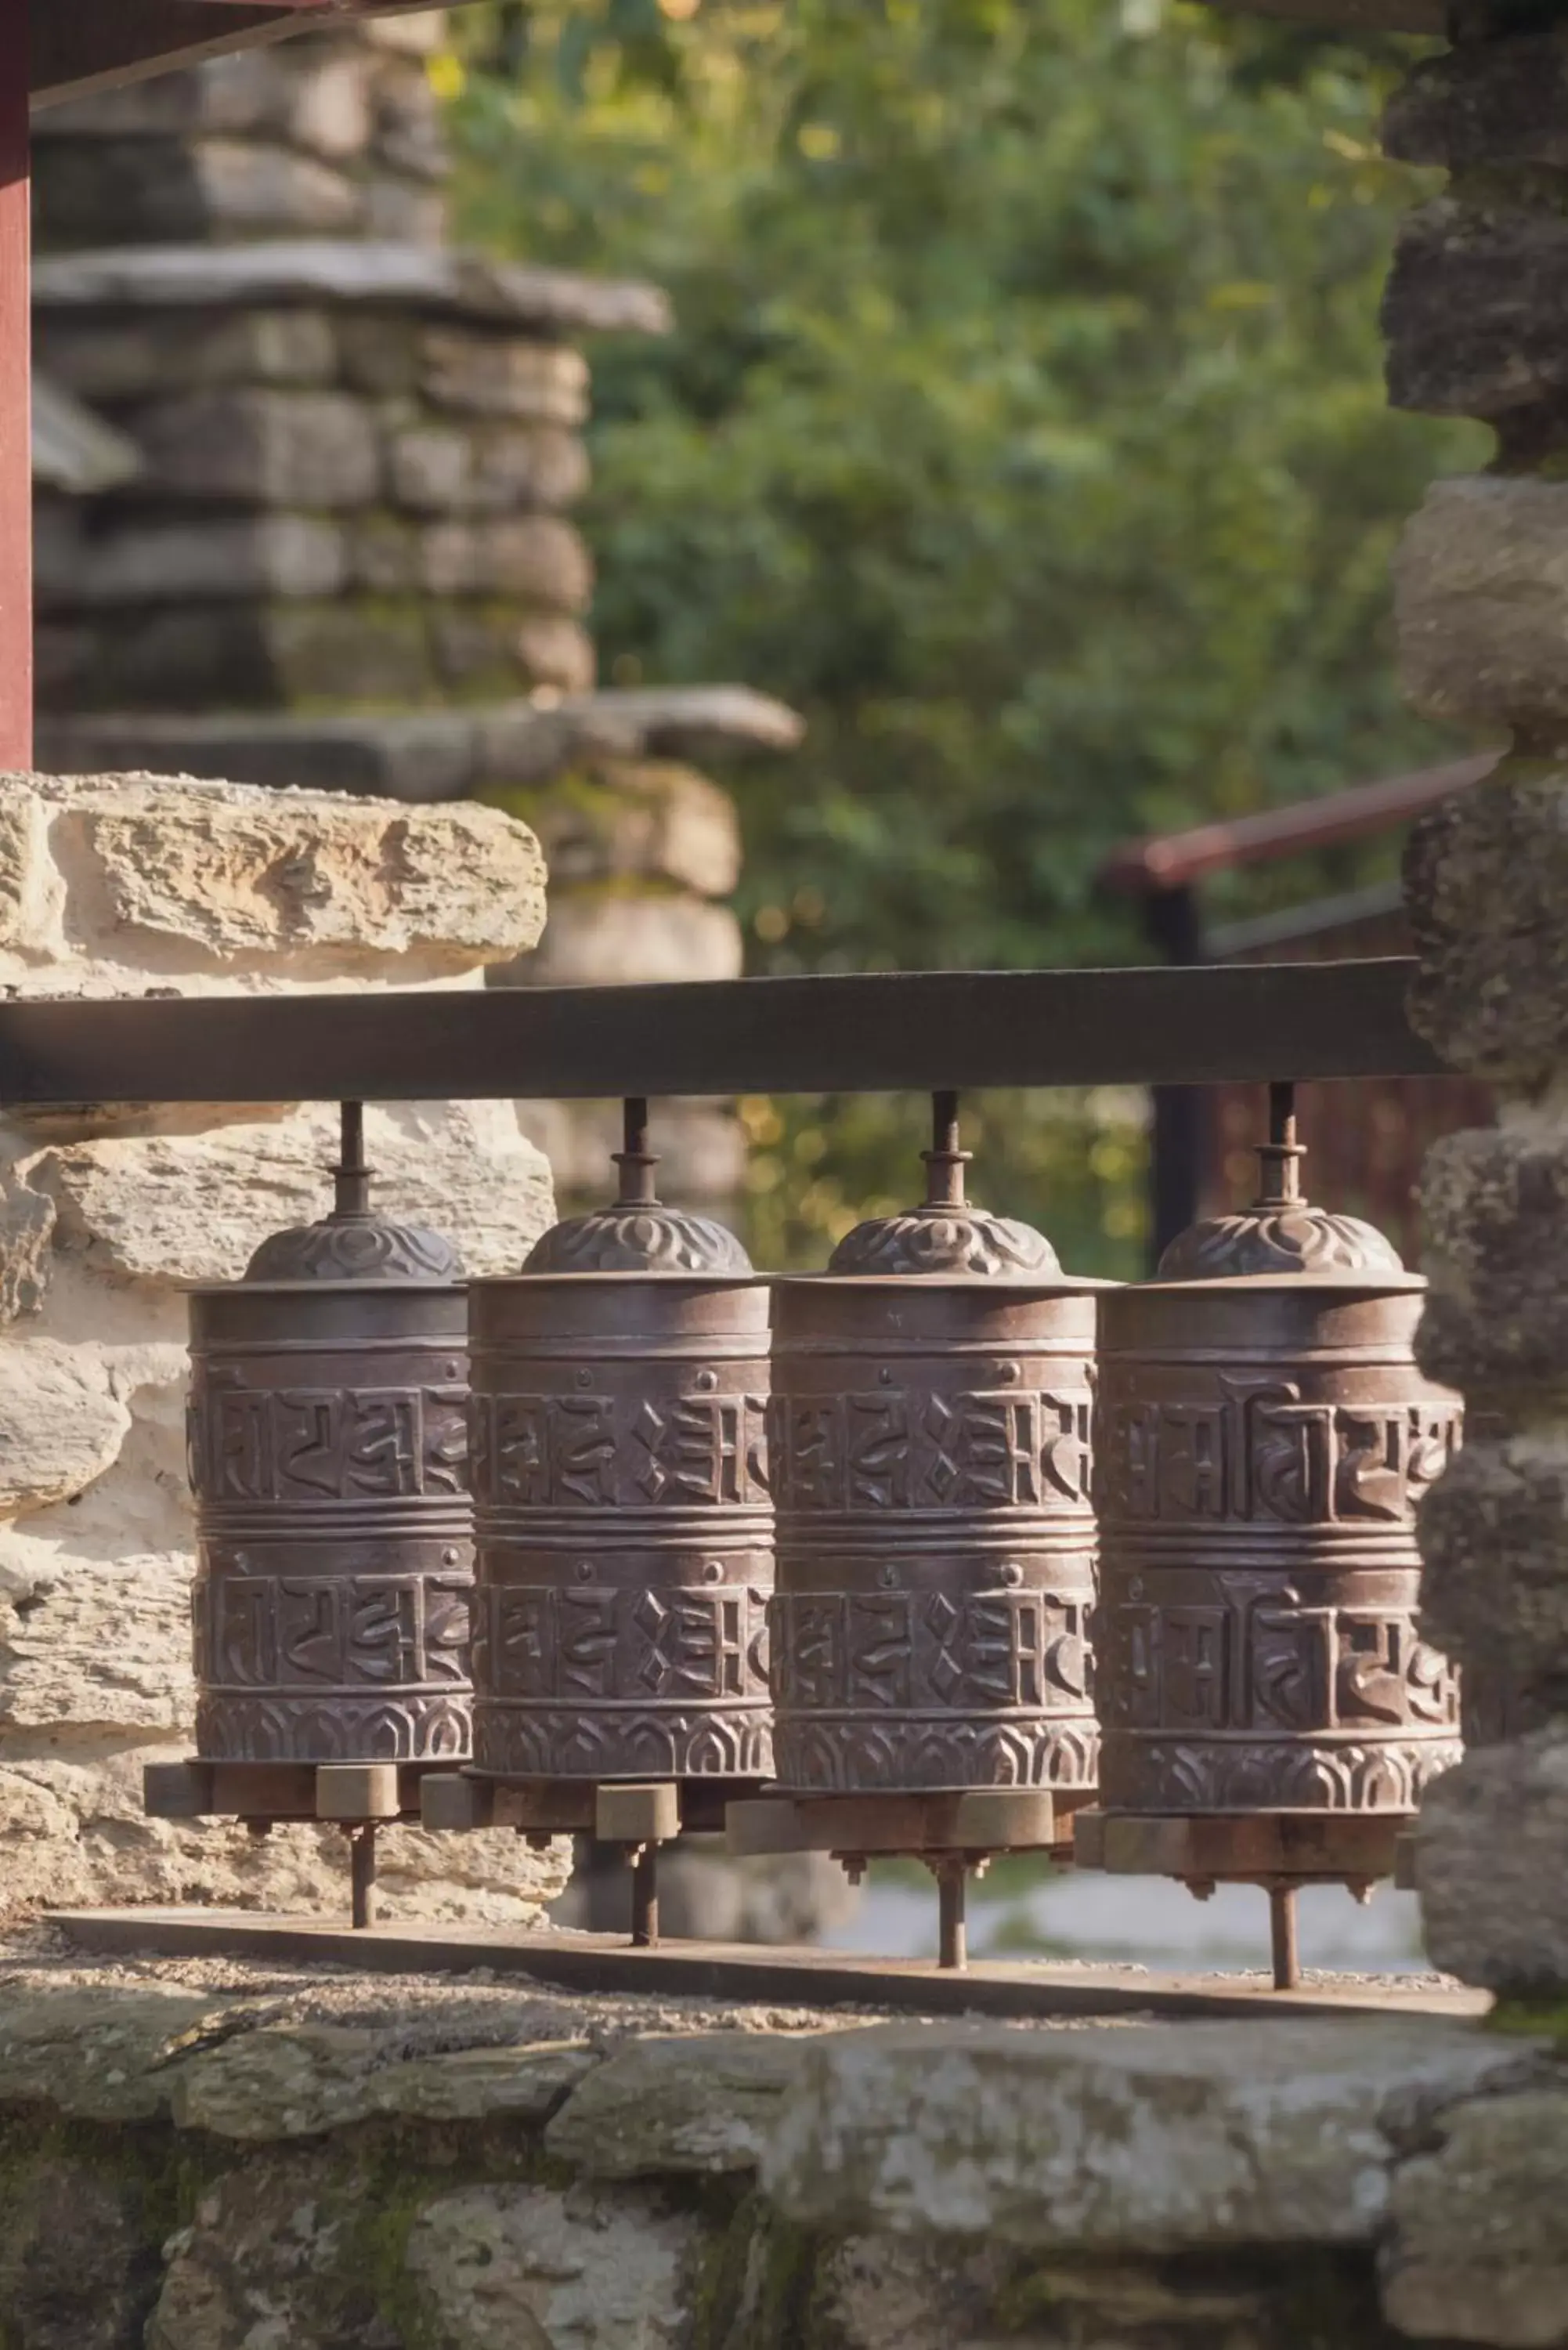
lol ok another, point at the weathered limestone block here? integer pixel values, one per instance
(663, 2106)
(539, 466)
(26, 1232)
(99, 1645)
(535, 558)
(154, 562)
(395, 209)
(1502, 102)
(97, 2057)
(1494, 1893)
(309, 93)
(528, 2265)
(488, 375)
(187, 876)
(486, 646)
(1479, 2249)
(1486, 875)
(162, 190)
(608, 940)
(264, 655)
(127, 356)
(61, 1423)
(76, 2269)
(1494, 1550)
(273, 2256)
(645, 820)
(1495, 1216)
(1481, 604)
(301, 2080)
(261, 446)
(879, 2293)
(546, 649)
(1476, 308)
(1177, 2137)
(172, 1208)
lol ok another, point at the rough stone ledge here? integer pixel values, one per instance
(226, 2158)
(1169, 2139)
(429, 754)
(306, 269)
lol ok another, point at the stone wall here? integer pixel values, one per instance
(114, 886)
(338, 550)
(317, 137)
(445, 2167)
(1473, 316)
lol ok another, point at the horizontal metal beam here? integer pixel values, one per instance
(880, 1033)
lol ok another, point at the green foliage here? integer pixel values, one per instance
(1023, 426)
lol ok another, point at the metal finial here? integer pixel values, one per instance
(945, 1235)
(636, 1233)
(1282, 1231)
(352, 1243)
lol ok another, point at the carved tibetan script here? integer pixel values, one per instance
(328, 1444)
(1008, 1447)
(594, 1451)
(1257, 1449)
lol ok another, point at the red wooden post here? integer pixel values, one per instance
(15, 398)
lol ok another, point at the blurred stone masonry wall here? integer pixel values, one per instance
(343, 559)
(427, 2166)
(127, 885)
(1475, 321)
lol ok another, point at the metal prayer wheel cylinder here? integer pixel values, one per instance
(328, 1440)
(624, 1518)
(932, 1435)
(1264, 1439)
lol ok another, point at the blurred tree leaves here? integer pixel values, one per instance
(1023, 426)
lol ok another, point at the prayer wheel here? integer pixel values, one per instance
(625, 1523)
(930, 1443)
(1264, 1437)
(327, 1430)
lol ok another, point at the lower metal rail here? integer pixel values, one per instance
(743, 1973)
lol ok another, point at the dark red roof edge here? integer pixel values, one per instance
(1170, 861)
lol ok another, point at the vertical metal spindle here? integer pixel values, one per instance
(952, 1887)
(645, 1897)
(637, 1161)
(362, 1873)
(351, 1175)
(1283, 1934)
(946, 1159)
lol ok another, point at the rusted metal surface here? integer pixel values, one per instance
(1265, 1438)
(329, 1459)
(932, 1435)
(624, 1522)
